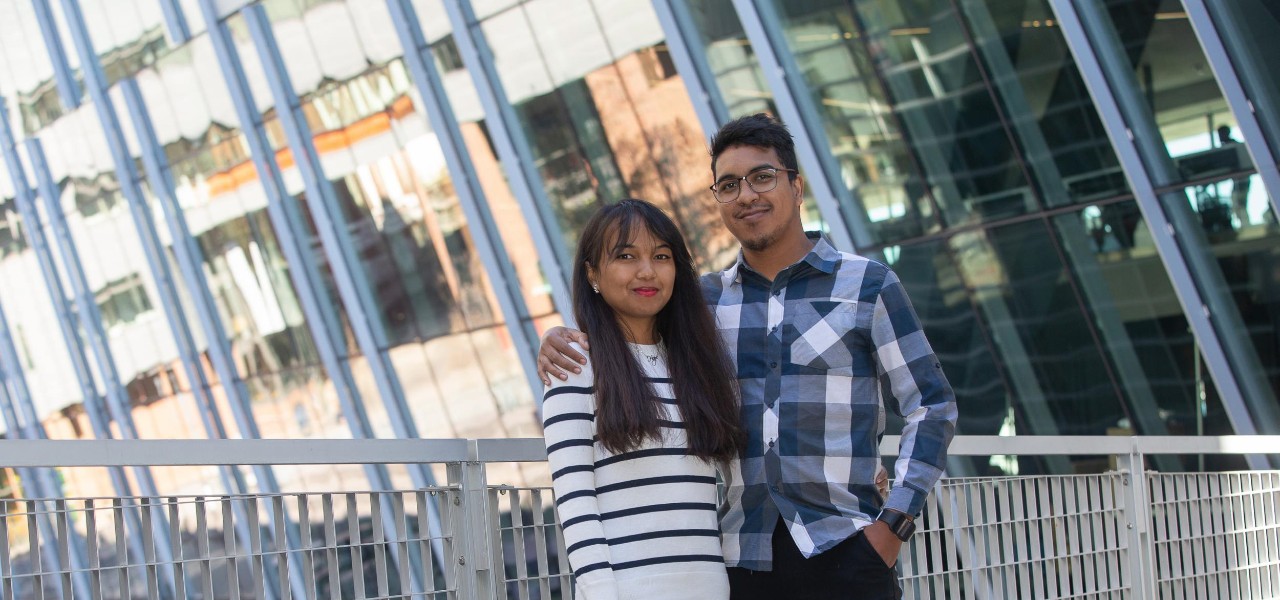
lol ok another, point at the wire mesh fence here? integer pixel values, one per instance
(1216, 535)
(353, 545)
(1127, 533)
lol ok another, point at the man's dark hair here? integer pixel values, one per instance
(759, 130)
(627, 410)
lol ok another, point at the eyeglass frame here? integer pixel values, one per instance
(715, 194)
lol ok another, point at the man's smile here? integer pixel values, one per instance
(754, 213)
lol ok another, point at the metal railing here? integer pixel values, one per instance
(1127, 533)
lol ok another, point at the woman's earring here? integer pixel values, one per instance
(595, 288)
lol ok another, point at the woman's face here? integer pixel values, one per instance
(635, 281)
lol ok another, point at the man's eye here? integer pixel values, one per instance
(762, 177)
(729, 186)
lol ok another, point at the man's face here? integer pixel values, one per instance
(759, 219)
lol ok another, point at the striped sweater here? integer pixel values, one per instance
(641, 524)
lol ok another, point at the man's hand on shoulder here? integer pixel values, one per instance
(556, 358)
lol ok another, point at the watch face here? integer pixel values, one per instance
(899, 524)
(906, 529)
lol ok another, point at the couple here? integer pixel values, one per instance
(775, 373)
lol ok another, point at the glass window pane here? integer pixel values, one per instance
(893, 70)
(1178, 87)
(1204, 173)
(1247, 28)
(1044, 101)
(403, 224)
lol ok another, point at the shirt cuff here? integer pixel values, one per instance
(906, 500)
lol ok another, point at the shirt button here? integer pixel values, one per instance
(773, 365)
(773, 487)
(770, 443)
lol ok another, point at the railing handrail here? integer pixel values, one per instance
(128, 453)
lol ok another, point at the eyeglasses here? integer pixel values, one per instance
(760, 181)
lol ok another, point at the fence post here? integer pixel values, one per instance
(1137, 512)
(468, 517)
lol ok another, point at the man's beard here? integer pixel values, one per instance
(759, 243)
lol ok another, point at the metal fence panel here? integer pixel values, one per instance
(1125, 534)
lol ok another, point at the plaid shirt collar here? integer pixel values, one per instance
(822, 257)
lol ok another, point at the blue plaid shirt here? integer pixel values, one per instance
(821, 351)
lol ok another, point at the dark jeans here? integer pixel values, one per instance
(851, 570)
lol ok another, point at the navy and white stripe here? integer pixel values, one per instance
(639, 524)
(821, 351)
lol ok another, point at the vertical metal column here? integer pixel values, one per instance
(838, 204)
(484, 231)
(684, 44)
(514, 152)
(153, 250)
(41, 483)
(175, 23)
(1164, 226)
(68, 91)
(33, 231)
(353, 287)
(99, 345)
(187, 253)
(476, 577)
(1137, 513)
(288, 225)
(1241, 106)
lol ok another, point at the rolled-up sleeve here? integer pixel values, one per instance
(910, 372)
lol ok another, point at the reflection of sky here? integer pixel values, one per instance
(21, 52)
(111, 23)
(116, 23)
(550, 42)
(1189, 144)
(1257, 201)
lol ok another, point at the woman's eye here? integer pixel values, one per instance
(663, 257)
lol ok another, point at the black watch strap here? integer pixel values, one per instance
(900, 523)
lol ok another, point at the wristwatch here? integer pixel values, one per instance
(900, 523)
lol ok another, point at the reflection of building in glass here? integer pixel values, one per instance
(980, 147)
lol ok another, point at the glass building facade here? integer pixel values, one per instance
(328, 218)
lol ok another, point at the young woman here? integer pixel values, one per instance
(634, 440)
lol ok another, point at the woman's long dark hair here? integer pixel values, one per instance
(627, 412)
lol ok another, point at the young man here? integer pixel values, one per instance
(823, 341)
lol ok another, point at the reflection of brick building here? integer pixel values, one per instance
(652, 132)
